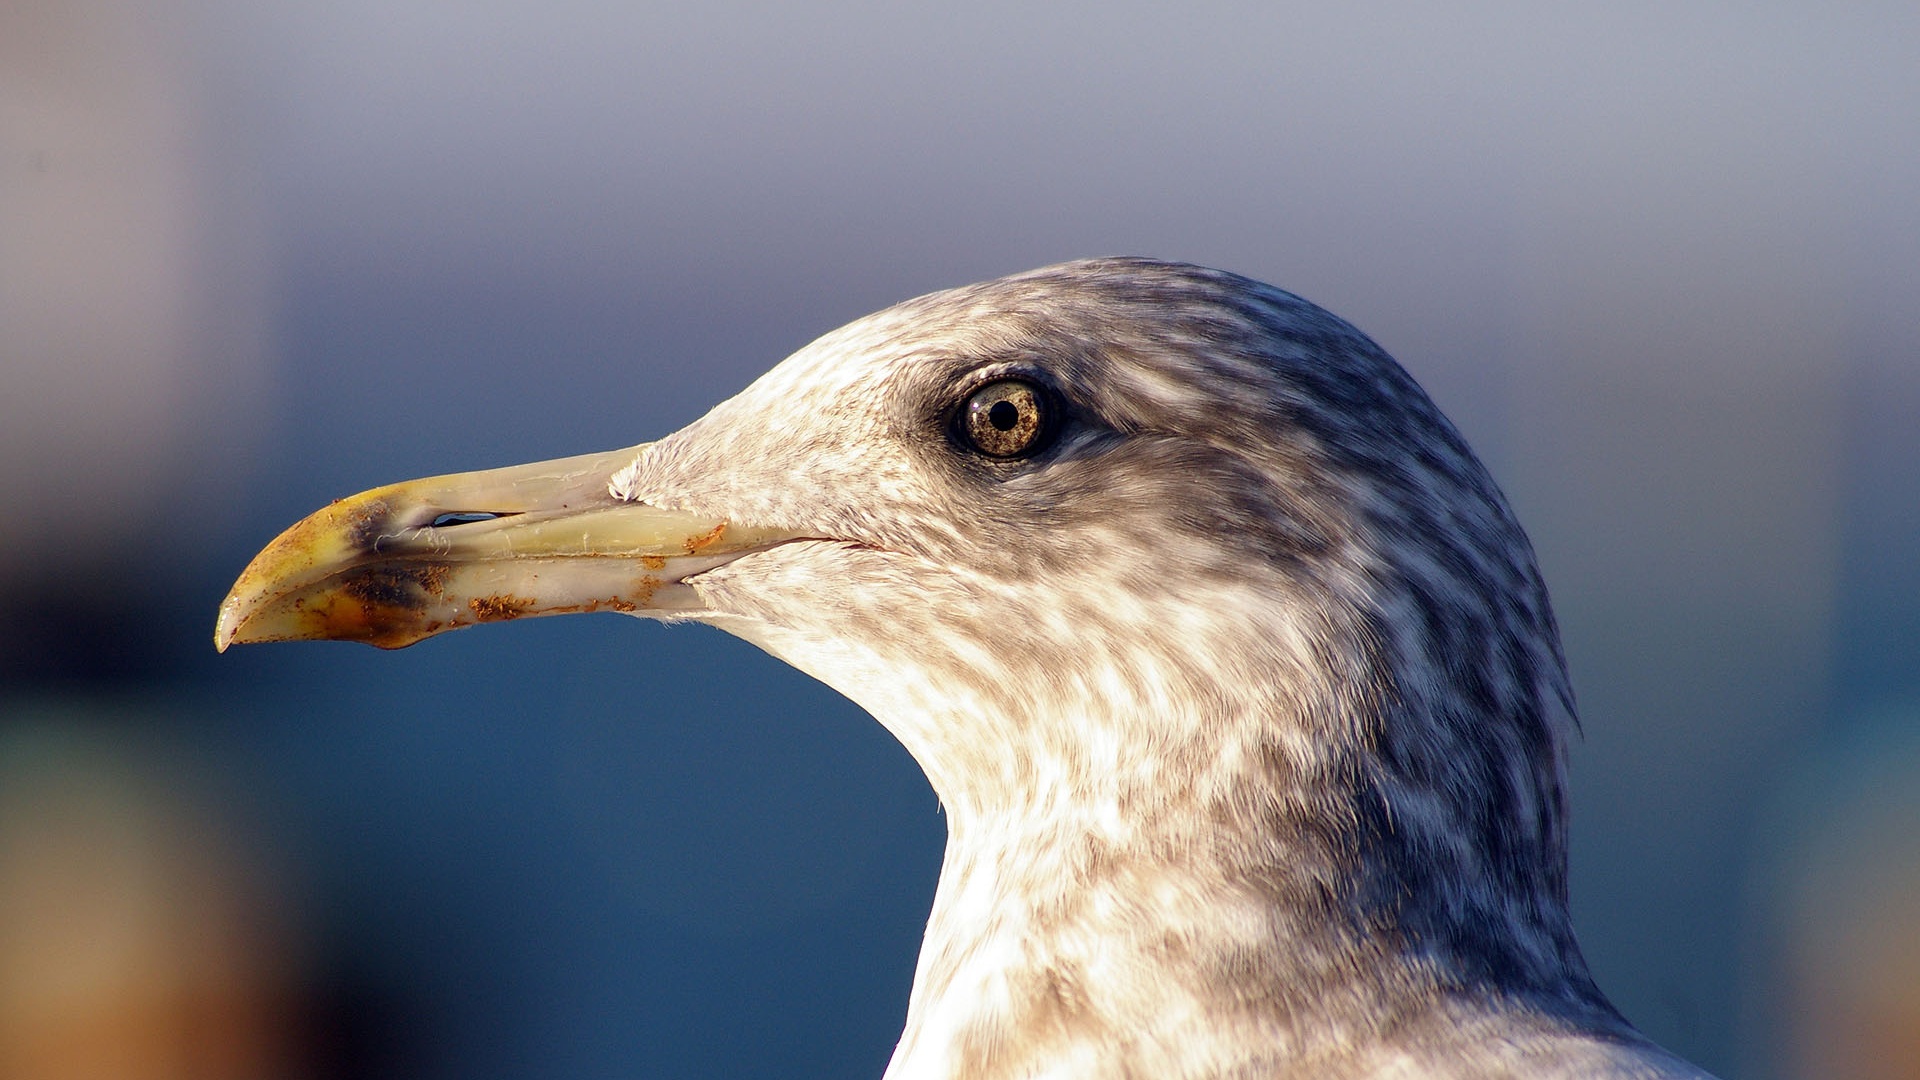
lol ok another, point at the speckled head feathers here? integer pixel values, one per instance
(1254, 595)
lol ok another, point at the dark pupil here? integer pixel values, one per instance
(1003, 415)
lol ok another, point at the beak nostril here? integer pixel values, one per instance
(463, 517)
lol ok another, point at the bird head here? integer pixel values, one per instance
(1117, 527)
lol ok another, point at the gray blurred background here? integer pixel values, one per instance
(1659, 261)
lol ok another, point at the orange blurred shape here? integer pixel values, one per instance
(134, 942)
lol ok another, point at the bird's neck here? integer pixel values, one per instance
(1116, 930)
(1239, 921)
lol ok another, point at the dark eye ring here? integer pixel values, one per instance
(1006, 419)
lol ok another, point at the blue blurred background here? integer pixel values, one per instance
(1659, 261)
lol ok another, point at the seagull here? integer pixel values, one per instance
(1227, 660)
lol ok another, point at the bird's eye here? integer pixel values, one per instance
(1006, 419)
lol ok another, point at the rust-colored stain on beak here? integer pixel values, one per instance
(696, 544)
(499, 608)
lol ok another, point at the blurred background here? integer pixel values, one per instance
(1659, 261)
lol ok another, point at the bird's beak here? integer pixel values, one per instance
(400, 563)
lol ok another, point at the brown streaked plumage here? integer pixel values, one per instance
(1223, 652)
